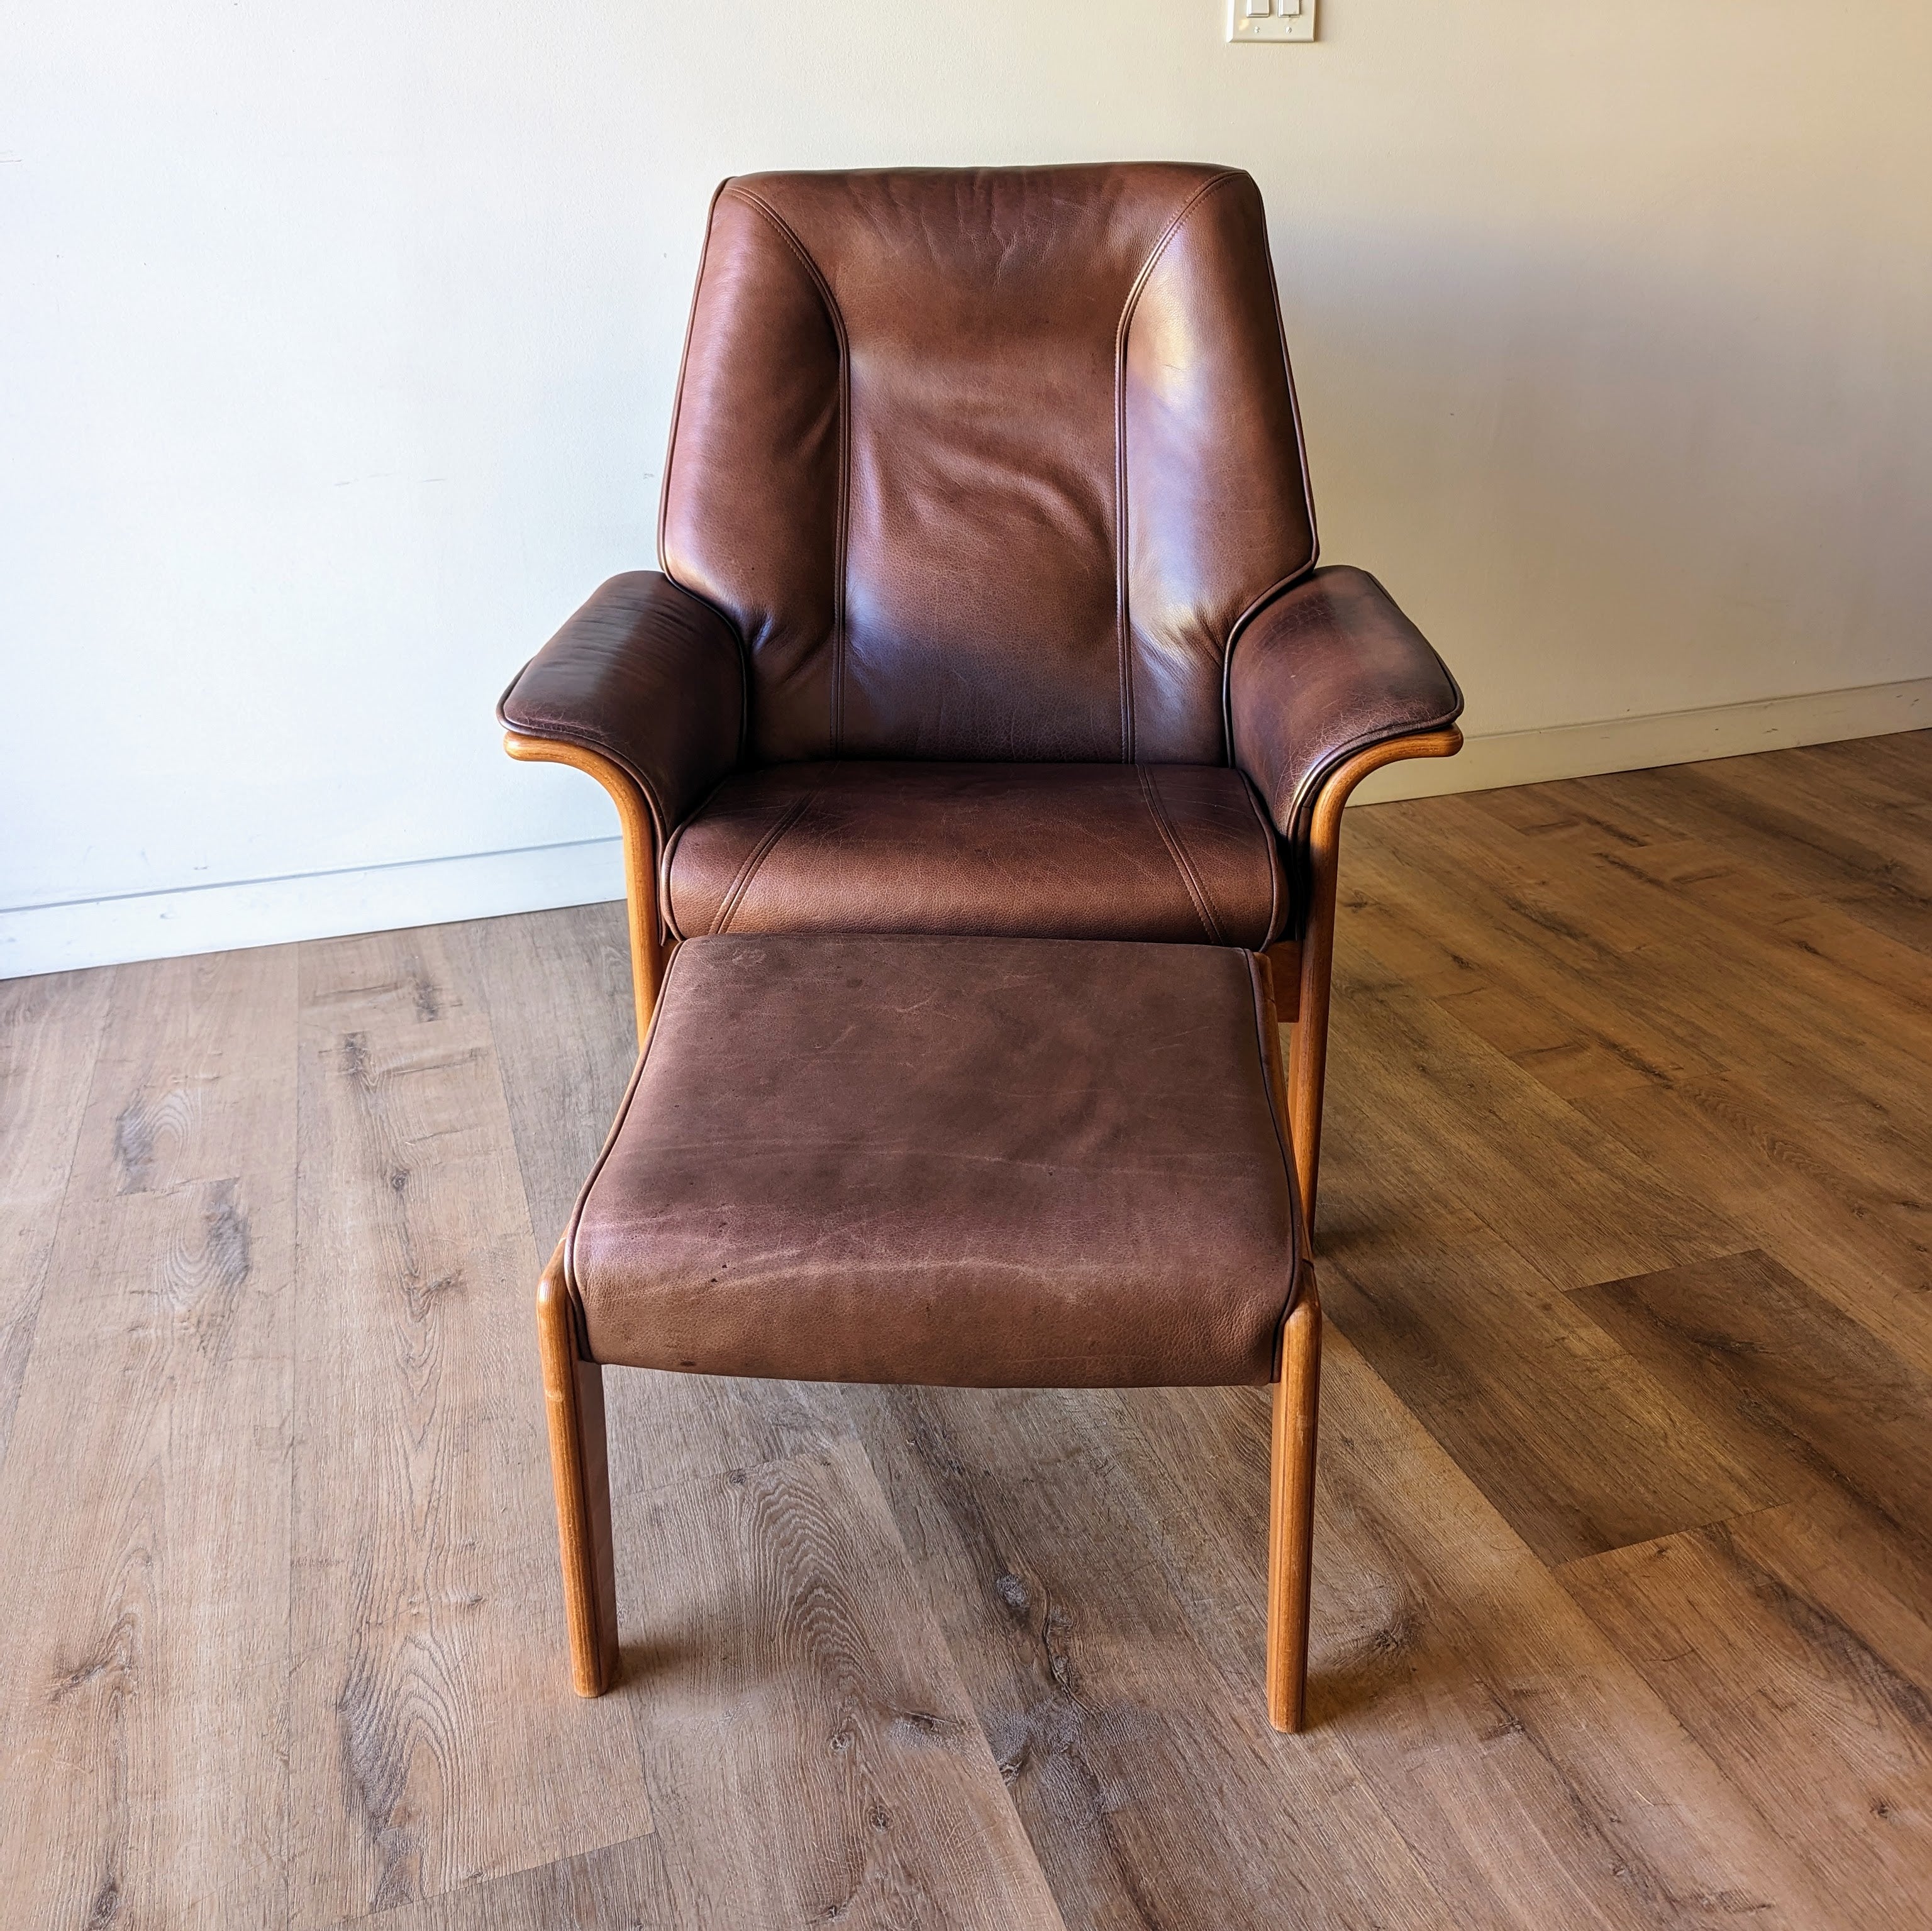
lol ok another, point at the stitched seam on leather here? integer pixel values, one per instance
(1196, 891)
(1122, 614)
(766, 846)
(666, 912)
(836, 317)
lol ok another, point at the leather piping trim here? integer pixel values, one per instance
(663, 492)
(763, 850)
(1177, 850)
(1277, 871)
(836, 315)
(1301, 800)
(1258, 987)
(605, 746)
(667, 917)
(603, 1154)
(1123, 613)
(1293, 577)
(684, 363)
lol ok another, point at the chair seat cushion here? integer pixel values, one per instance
(984, 1162)
(1172, 852)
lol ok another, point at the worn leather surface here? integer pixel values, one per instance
(986, 464)
(977, 1161)
(1328, 669)
(1118, 851)
(650, 676)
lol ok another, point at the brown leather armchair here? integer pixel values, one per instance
(988, 602)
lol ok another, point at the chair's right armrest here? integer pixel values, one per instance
(647, 675)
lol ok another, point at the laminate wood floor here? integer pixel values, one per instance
(1623, 1607)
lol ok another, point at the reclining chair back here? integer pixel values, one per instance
(987, 465)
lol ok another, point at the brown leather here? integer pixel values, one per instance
(1328, 669)
(986, 464)
(1118, 851)
(987, 1162)
(649, 675)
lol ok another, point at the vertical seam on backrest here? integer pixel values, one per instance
(1197, 890)
(1123, 616)
(836, 315)
(684, 363)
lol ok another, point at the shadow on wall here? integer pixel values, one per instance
(1601, 482)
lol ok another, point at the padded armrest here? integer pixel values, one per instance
(1329, 668)
(649, 675)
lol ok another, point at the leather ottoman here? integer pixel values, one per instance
(979, 1161)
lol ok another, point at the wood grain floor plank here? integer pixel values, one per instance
(435, 1739)
(1804, 1716)
(1096, 1560)
(1848, 862)
(621, 1888)
(813, 1755)
(50, 1030)
(1793, 1157)
(144, 1506)
(1441, 1103)
(1786, 1374)
(1120, 1689)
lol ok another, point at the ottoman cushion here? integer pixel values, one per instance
(989, 1162)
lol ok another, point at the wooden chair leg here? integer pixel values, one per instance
(580, 1470)
(1291, 1509)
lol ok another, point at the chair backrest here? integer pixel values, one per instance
(986, 463)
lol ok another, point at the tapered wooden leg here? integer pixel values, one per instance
(579, 1469)
(1291, 1509)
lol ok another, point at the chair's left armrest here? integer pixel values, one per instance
(1328, 669)
(648, 676)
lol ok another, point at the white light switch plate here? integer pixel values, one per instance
(1252, 22)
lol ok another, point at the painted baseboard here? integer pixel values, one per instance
(1664, 737)
(315, 905)
(484, 885)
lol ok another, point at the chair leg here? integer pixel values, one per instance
(580, 1470)
(1291, 1509)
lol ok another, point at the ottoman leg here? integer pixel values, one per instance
(1291, 1509)
(579, 1469)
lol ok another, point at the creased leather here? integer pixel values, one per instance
(1328, 668)
(649, 675)
(986, 463)
(1107, 851)
(974, 1161)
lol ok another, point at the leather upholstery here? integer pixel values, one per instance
(976, 1162)
(986, 499)
(1327, 670)
(1172, 852)
(649, 675)
(986, 464)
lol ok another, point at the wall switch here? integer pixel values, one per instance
(1255, 21)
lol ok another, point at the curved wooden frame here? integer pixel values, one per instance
(1308, 1040)
(641, 857)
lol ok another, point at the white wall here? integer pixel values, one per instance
(337, 343)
